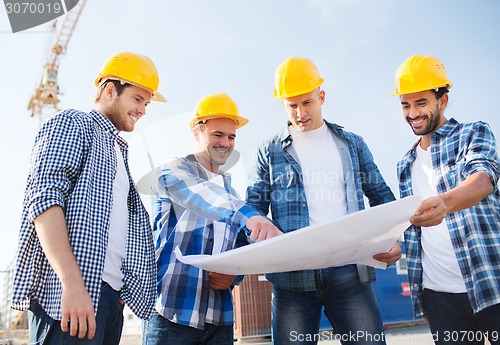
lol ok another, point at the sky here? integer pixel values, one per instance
(202, 47)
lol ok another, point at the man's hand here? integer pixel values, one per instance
(262, 228)
(76, 305)
(77, 312)
(219, 281)
(393, 255)
(430, 212)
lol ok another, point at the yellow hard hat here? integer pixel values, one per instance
(135, 69)
(296, 76)
(420, 73)
(217, 105)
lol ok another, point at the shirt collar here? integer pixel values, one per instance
(286, 138)
(103, 122)
(448, 128)
(108, 127)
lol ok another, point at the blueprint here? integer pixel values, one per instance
(354, 238)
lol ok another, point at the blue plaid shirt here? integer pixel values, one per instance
(458, 151)
(276, 182)
(73, 165)
(186, 206)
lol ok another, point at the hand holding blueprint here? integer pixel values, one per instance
(354, 238)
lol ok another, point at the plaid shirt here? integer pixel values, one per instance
(276, 182)
(459, 151)
(186, 205)
(73, 165)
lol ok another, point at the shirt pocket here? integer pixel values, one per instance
(284, 177)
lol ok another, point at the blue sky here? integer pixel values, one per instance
(202, 47)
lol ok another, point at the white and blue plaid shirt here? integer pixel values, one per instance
(73, 165)
(186, 207)
(458, 151)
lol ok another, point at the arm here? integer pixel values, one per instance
(179, 182)
(258, 193)
(481, 170)
(372, 182)
(259, 197)
(76, 305)
(472, 190)
(56, 163)
(211, 201)
(377, 192)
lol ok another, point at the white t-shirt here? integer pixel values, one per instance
(322, 174)
(219, 227)
(440, 266)
(118, 226)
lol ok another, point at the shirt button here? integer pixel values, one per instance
(303, 205)
(415, 286)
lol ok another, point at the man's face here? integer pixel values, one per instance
(423, 112)
(126, 109)
(304, 111)
(215, 142)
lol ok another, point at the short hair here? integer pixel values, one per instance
(119, 86)
(200, 125)
(441, 91)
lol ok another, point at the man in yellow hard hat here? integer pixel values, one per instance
(197, 210)
(85, 246)
(453, 246)
(310, 173)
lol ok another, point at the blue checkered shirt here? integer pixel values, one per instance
(186, 205)
(276, 182)
(73, 165)
(459, 150)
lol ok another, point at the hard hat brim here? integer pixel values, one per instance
(158, 97)
(240, 121)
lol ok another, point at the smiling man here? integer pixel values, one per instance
(85, 244)
(314, 172)
(453, 246)
(198, 210)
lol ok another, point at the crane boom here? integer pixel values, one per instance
(47, 92)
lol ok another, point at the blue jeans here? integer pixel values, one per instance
(452, 321)
(43, 330)
(160, 331)
(351, 308)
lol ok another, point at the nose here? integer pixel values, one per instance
(413, 112)
(301, 112)
(224, 141)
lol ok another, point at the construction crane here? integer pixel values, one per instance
(45, 99)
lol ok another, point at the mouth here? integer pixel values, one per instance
(302, 122)
(134, 118)
(417, 122)
(221, 150)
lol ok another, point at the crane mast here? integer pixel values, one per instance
(45, 99)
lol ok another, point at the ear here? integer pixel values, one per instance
(322, 96)
(196, 133)
(443, 101)
(109, 91)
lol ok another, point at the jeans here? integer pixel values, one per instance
(351, 308)
(452, 321)
(160, 331)
(43, 330)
